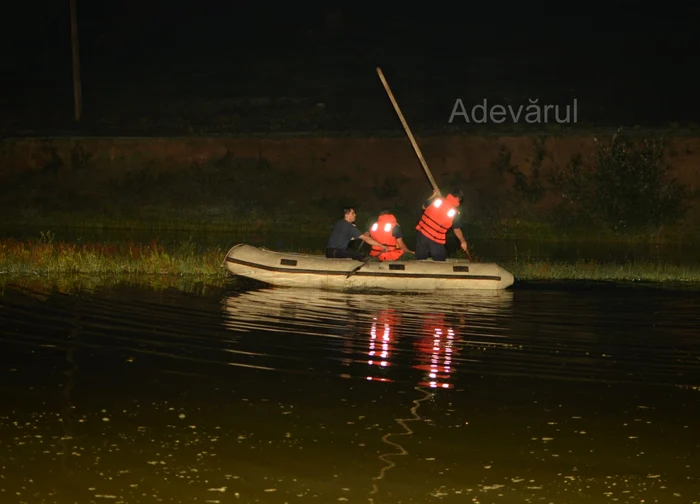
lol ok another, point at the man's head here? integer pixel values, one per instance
(349, 214)
(384, 211)
(457, 193)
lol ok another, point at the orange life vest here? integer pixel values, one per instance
(438, 217)
(382, 232)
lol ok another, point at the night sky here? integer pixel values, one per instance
(154, 65)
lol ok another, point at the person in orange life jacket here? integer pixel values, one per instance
(388, 232)
(344, 231)
(439, 215)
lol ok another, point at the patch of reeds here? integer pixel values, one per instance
(46, 257)
(649, 271)
(141, 262)
(312, 224)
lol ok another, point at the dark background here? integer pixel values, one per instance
(159, 67)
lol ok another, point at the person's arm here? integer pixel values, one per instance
(398, 234)
(356, 234)
(368, 239)
(463, 242)
(402, 246)
(460, 236)
(436, 194)
(457, 230)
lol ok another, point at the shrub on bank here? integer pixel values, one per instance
(629, 187)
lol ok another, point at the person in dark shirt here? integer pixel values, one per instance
(344, 231)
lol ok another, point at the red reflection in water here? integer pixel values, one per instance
(381, 345)
(436, 346)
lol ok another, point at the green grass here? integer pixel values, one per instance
(45, 257)
(312, 222)
(151, 263)
(649, 271)
(541, 230)
(243, 194)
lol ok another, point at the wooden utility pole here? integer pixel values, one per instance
(77, 87)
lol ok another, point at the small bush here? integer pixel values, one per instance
(628, 187)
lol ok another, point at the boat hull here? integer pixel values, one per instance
(287, 269)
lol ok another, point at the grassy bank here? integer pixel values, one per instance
(646, 271)
(623, 190)
(59, 258)
(154, 262)
(315, 223)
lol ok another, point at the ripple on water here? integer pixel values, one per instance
(550, 396)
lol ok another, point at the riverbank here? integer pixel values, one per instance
(153, 263)
(572, 186)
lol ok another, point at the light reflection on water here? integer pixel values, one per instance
(130, 395)
(383, 336)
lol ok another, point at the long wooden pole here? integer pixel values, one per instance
(77, 87)
(408, 130)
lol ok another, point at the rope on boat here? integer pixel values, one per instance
(402, 422)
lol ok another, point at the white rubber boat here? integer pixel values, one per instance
(287, 269)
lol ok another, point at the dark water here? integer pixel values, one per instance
(546, 394)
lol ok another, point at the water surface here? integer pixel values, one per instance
(134, 394)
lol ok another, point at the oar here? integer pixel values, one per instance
(469, 256)
(408, 130)
(410, 136)
(355, 270)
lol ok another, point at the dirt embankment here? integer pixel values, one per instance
(296, 170)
